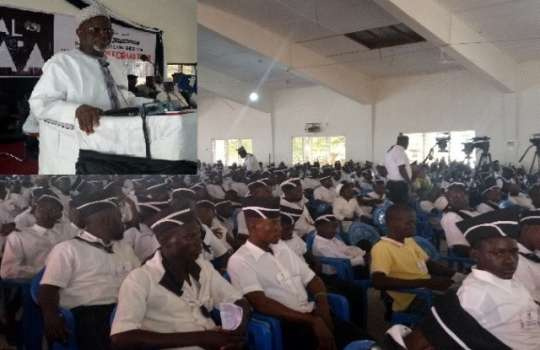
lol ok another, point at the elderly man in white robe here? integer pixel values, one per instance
(76, 87)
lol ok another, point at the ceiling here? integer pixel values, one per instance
(511, 25)
(225, 56)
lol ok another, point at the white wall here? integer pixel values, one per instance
(339, 115)
(177, 19)
(221, 118)
(438, 102)
(446, 101)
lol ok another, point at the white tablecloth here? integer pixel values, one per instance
(172, 137)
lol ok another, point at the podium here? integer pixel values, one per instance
(140, 143)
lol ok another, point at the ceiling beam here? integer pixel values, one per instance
(458, 40)
(299, 59)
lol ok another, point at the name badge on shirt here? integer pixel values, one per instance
(529, 319)
(422, 266)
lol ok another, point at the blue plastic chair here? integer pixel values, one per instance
(410, 319)
(66, 314)
(29, 328)
(338, 304)
(344, 271)
(360, 345)
(259, 335)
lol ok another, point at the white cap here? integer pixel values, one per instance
(94, 10)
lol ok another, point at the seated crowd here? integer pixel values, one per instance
(162, 253)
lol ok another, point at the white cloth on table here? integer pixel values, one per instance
(171, 136)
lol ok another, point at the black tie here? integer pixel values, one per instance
(108, 249)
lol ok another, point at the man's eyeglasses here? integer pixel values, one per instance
(100, 30)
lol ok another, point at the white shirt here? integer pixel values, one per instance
(142, 240)
(324, 194)
(25, 251)
(215, 191)
(25, 219)
(297, 245)
(305, 223)
(310, 183)
(145, 304)
(87, 275)
(521, 200)
(335, 248)
(70, 79)
(528, 273)
(282, 276)
(503, 307)
(393, 159)
(346, 209)
(453, 234)
(251, 163)
(483, 208)
(240, 188)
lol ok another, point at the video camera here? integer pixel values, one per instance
(480, 142)
(442, 143)
(535, 140)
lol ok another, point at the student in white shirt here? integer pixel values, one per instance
(288, 236)
(166, 302)
(399, 170)
(84, 274)
(205, 212)
(257, 189)
(276, 282)
(458, 209)
(345, 206)
(447, 326)
(326, 244)
(528, 242)
(518, 198)
(502, 305)
(491, 196)
(326, 192)
(26, 250)
(293, 197)
(215, 188)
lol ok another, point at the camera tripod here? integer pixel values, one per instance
(485, 159)
(536, 158)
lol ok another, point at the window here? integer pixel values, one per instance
(421, 143)
(187, 69)
(226, 150)
(325, 150)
